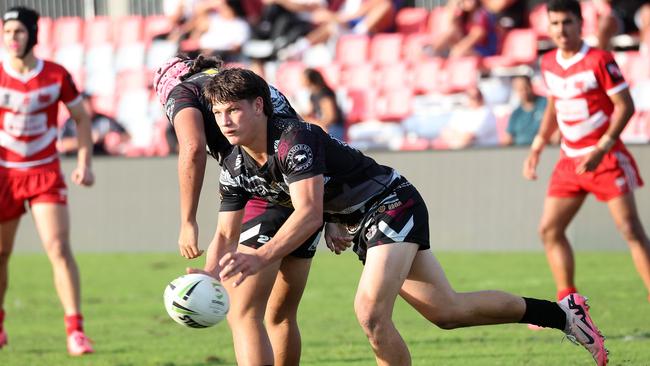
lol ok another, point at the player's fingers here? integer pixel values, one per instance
(225, 259)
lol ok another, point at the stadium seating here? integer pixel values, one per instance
(411, 20)
(386, 48)
(352, 49)
(519, 47)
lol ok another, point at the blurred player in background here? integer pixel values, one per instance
(589, 101)
(30, 172)
(298, 165)
(179, 84)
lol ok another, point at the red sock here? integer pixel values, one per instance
(73, 323)
(2, 318)
(566, 292)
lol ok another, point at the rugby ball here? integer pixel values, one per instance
(196, 300)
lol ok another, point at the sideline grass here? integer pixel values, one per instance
(125, 317)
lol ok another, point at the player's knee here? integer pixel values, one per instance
(549, 233)
(370, 318)
(58, 249)
(279, 316)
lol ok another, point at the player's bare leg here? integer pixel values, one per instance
(383, 275)
(7, 236)
(429, 292)
(53, 226)
(246, 315)
(556, 217)
(628, 222)
(282, 309)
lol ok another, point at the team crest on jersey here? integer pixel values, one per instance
(614, 72)
(169, 108)
(300, 157)
(372, 230)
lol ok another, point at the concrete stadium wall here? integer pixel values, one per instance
(477, 200)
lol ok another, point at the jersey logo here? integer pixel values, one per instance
(169, 108)
(300, 157)
(614, 72)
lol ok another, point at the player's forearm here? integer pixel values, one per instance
(547, 128)
(191, 171)
(84, 141)
(219, 246)
(300, 225)
(620, 117)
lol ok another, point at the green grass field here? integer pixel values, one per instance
(125, 317)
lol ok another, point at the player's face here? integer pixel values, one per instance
(14, 36)
(239, 120)
(565, 30)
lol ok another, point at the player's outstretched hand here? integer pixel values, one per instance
(83, 176)
(234, 263)
(188, 240)
(530, 166)
(337, 238)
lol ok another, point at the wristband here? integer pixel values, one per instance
(538, 143)
(605, 143)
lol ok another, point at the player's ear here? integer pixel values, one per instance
(259, 105)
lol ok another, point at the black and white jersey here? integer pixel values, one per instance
(299, 150)
(188, 94)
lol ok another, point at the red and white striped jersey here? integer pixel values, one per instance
(29, 106)
(581, 86)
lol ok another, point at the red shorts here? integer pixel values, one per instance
(616, 175)
(33, 186)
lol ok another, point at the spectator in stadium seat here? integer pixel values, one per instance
(281, 23)
(109, 137)
(621, 17)
(509, 14)
(367, 205)
(472, 125)
(353, 16)
(324, 110)
(524, 121)
(30, 170)
(469, 30)
(224, 31)
(590, 103)
(178, 84)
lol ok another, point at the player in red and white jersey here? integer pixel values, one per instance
(590, 103)
(30, 173)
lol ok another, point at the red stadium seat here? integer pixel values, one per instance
(332, 75)
(98, 31)
(638, 128)
(411, 20)
(45, 33)
(462, 73)
(393, 76)
(358, 76)
(289, 77)
(132, 80)
(538, 20)
(589, 18)
(437, 20)
(427, 75)
(386, 48)
(519, 47)
(395, 104)
(155, 25)
(352, 49)
(129, 30)
(67, 31)
(361, 105)
(104, 104)
(413, 47)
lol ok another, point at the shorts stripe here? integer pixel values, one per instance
(254, 231)
(628, 170)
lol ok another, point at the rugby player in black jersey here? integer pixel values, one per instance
(178, 84)
(289, 162)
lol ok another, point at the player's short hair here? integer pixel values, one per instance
(565, 6)
(234, 84)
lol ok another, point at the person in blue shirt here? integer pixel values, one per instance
(525, 119)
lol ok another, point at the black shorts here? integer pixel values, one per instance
(399, 215)
(262, 220)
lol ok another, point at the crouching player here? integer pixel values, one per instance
(292, 163)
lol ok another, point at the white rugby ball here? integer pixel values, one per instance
(196, 300)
